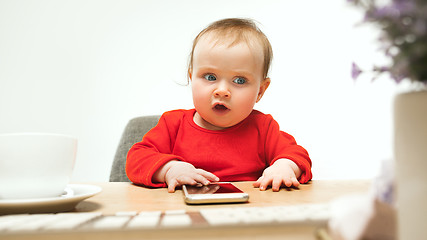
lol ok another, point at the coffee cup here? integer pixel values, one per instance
(35, 165)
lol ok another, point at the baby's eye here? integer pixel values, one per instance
(239, 80)
(210, 77)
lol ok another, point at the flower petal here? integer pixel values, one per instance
(355, 71)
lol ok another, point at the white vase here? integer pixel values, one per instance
(410, 149)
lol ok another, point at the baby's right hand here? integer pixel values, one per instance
(179, 173)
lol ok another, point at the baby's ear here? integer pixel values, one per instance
(190, 75)
(262, 88)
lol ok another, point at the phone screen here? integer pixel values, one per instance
(214, 188)
(214, 193)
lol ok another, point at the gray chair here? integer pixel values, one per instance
(133, 133)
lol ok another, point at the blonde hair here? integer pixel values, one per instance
(238, 30)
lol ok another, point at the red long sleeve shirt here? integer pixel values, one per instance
(238, 153)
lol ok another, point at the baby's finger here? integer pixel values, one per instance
(186, 180)
(295, 182)
(265, 182)
(276, 184)
(208, 175)
(288, 182)
(291, 182)
(258, 182)
(172, 185)
(200, 179)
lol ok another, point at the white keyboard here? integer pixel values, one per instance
(309, 214)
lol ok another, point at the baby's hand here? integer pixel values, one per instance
(282, 172)
(180, 173)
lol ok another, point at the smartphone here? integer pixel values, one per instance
(223, 192)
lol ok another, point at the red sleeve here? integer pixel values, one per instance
(282, 145)
(154, 151)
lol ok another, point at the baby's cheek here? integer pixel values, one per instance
(245, 107)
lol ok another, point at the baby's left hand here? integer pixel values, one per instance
(283, 172)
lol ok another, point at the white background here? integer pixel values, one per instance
(86, 67)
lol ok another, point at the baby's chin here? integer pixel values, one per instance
(218, 125)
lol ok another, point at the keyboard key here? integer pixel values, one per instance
(259, 215)
(176, 220)
(127, 213)
(150, 213)
(148, 219)
(111, 222)
(31, 222)
(175, 212)
(10, 220)
(143, 222)
(220, 216)
(70, 221)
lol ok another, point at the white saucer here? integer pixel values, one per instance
(73, 194)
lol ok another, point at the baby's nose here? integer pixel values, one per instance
(222, 91)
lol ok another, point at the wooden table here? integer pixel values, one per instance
(119, 196)
(116, 197)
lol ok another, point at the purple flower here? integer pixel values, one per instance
(404, 7)
(355, 71)
(381, 69)
(383, 12)
(403, 25)
(395, 11)
(397, 78)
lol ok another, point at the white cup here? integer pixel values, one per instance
(35, 165)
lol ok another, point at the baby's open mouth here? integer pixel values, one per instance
(220, 108)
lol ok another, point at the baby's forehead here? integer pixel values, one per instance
(230, 39)
(214, 39)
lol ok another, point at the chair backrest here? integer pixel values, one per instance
(133, 133)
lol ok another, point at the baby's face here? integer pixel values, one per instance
(226, 82)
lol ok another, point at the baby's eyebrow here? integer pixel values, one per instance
(243, 74)
(207, 69)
